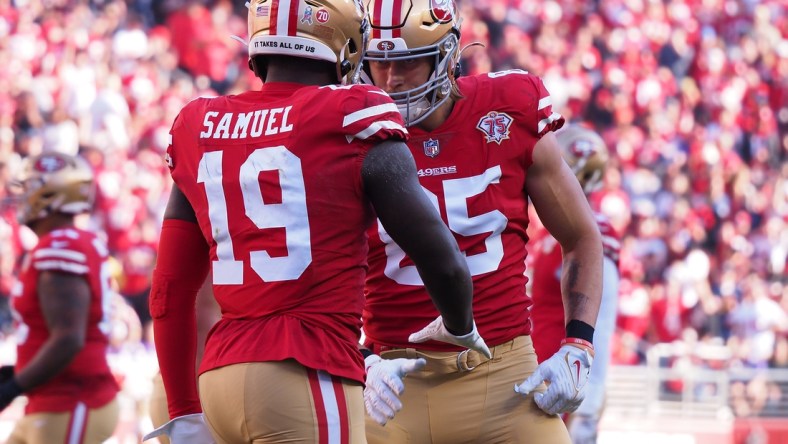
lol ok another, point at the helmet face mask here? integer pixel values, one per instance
(334, 31)
(586, 154)
(420, 28)
(53, 183)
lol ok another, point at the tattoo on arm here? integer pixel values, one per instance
(572, 275)
(578, 299)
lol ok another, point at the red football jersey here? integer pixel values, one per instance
(473, 168)
(547, 312)
(87, 379)
(274, 177)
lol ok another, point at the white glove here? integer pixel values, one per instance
(583, 429)
(567, 371)
(384, 385)
(186, 429)
(437, 331)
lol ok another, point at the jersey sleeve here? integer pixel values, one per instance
(63, 253)
(169, 154)
(180, 137)
(546, 118)
(371, 116)
(528, 91)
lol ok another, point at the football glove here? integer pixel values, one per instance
(567, 372)
(186, 429)
(384, 385)
(437, 332)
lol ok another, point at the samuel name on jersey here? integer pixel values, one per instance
(253, 123)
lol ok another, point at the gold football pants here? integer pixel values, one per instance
(465, 398)
(79, 426)
(281, 402)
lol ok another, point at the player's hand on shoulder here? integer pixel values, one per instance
(436, 331)
(384, 385)
(186, 429)
(567, 372)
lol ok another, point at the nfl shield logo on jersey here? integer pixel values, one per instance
(431, 148)
(495, 126)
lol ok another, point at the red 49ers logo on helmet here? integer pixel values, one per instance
(49, 164)
(442, 10)
(583, 148)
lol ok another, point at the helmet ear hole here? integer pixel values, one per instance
(457, 70)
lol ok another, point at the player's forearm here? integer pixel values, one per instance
(449, 284)
(176, 348)
(181, 268)
(52, 358)
(581, 279)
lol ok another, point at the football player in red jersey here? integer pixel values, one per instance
(586, 154)
(483, 147)
(275, 190)
(61, 305)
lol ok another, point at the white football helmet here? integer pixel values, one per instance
(334, 31)
(586, 154)
(53, 183)
(407, 29)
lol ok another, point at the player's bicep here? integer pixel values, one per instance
(65, 302)
(178, 207)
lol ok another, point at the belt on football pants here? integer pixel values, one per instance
(449, 362)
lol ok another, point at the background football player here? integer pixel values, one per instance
(483, 146)
(276, 189)
(586, 154)
(62, 306)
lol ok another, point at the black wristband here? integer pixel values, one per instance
(365, 352)
(6, 373)
(9, 390)
(580, 330)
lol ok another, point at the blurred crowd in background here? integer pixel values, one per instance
(691, 97)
